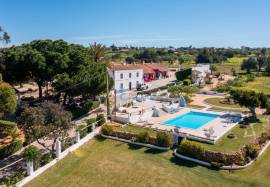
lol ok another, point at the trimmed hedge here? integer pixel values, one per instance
(241, 157)
(107, 130)
(101, 120)
(163, 139)
(13, 147)
(191, 149)
(6, 127)
(83, 130)
(183, 74)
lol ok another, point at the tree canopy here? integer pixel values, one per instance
(8, 102)
(46, 122)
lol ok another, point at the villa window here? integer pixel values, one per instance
(129, 75)
(121, 86)
(137, 74)
(121, 76)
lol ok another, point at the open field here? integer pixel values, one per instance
(260, 84)
(111, 163)
(242, 137)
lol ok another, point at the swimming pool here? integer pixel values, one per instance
(192, 120)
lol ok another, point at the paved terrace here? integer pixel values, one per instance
(220, 125)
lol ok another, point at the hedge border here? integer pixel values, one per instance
(204, 163)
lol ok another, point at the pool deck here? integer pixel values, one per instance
(220, 125)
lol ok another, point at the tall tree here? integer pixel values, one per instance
(248, 99)
(97, 51)
(249, 64)
(46, 122)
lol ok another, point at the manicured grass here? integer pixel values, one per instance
(135, 129)
(111, 163)
(260, 84)
(217, 101)
(243, 136)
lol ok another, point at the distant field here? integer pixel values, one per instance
(260, 84)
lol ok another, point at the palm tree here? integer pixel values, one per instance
(4, 37)
(97, 51)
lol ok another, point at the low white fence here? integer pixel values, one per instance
(59, 155)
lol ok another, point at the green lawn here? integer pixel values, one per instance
(260, 84)
(111, 163)
(217, 101)
(242, 137)
(135, 129)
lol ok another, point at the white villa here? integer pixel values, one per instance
(126, 76)
(199, 73)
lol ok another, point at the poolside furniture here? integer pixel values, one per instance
(170, 108)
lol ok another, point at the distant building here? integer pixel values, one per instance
(199, 72)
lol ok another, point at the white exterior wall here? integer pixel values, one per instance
(126, 79)
(203, 68)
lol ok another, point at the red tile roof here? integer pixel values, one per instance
(147, 68)
(159, 67)
(124, 67)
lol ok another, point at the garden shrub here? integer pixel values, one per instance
(107, 130)
(266, 135)
(252, 150)
(191, 149)
(186, 82)
(67, 142)
(14, 146)
(82, 130)
(13, 180)
(101, 120)
(7, 127)
(32, 153)
(164, 139)
(95, 105)
(231, 136)
(216, 165)
(143, 137)
(89, 122)
(45, 159)
(183, 74)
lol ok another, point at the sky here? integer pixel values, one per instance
(158, 23)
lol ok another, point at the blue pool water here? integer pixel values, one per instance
(192, 120)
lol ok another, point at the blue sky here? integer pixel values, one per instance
(201, 23)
